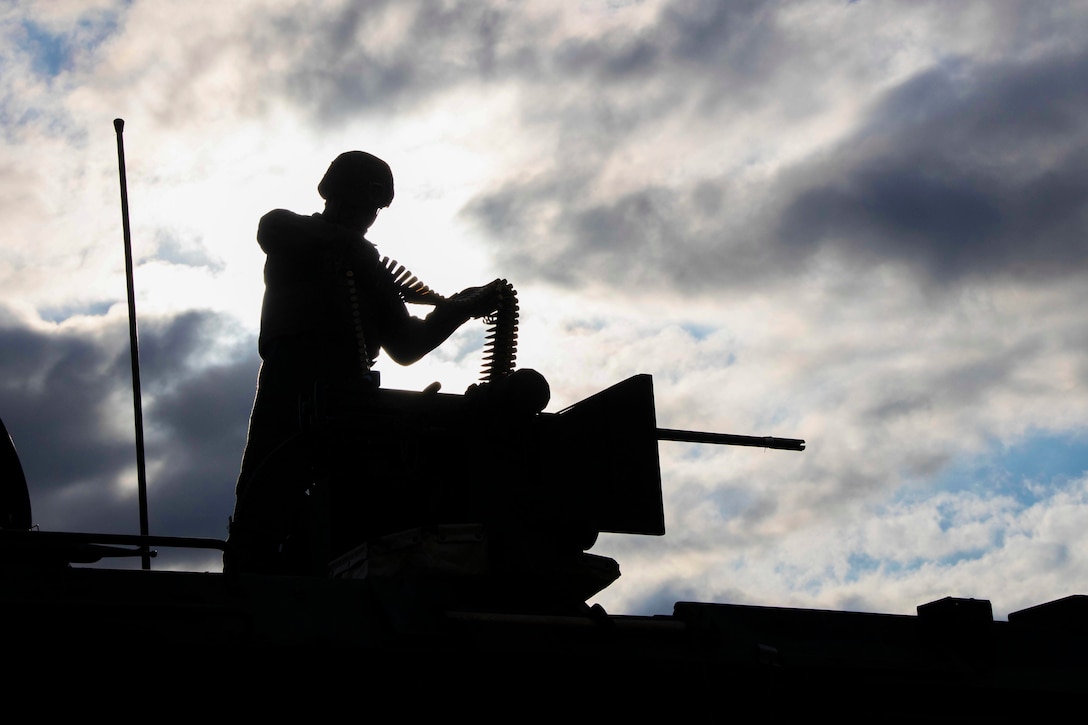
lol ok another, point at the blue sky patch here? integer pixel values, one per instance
(1043, 460)
(60, 314)
(699, 332)
(860, 563)
(49, 53)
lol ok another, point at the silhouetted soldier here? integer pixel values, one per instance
(329, 307)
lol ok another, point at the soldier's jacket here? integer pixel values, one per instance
(322, 284)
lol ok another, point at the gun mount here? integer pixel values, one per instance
(519, 493)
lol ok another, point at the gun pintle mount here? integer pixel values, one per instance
(500, 351)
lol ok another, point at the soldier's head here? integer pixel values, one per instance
(355, 187)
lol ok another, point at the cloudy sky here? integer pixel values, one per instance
(863, 224)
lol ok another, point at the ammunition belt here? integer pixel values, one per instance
(500, 350)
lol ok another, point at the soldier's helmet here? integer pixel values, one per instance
(355, 174)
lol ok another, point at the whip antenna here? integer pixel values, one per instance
(134, 347)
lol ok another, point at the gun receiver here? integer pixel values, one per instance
(727, 439)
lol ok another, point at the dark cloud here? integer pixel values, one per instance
(608, 60)
(200, 429)
(376, 58)
(899, 211)
(59, 395)
(960, 172)
(54, 390)
(691, 239)
(740, 41)
(966, 170)
(354, 61)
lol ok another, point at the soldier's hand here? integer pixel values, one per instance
(480, 301)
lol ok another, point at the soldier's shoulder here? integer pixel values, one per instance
(286, 217)
(282, 230)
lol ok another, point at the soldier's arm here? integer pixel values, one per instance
(409, 338)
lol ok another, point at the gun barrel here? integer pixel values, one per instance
(727, 439)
